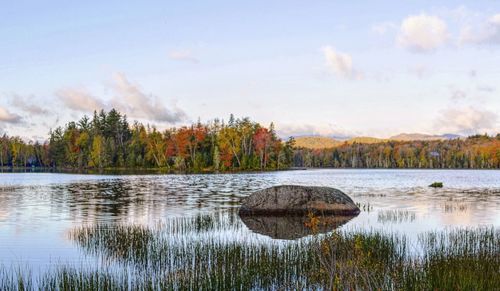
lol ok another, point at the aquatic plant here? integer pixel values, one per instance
(396, 216)
(461, 259)
(144, 258)
(436, 185)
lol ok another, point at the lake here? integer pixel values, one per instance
(41, 213)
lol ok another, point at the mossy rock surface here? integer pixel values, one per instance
(298, 200)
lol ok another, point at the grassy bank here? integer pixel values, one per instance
(163, 257)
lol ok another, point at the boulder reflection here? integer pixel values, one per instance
(292, 227)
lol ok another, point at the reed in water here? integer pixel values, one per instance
(161, 257)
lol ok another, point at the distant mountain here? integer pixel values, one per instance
(421, 136)
(325, 142)
(365, 139)
(316, 142)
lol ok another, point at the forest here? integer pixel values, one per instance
(107, 141)
(474, 152)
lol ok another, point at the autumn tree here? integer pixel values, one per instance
(262, 143)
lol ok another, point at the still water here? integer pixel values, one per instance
(40, 211)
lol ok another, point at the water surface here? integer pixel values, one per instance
(40, 211)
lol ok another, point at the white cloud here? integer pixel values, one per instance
(79, 100)
(27, 106)
(340, 63)
(183, 55)
(422, 33)
(131, 100)
(485, 33)
(287, 130)
(9, 117)
(127, 98)
(467, 120)
(495, 19)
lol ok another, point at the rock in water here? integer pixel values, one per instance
(298, 200)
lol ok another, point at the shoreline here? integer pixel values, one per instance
(157, 171)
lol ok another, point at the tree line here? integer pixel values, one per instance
(474, 152)
(107, 140)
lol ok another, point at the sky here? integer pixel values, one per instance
(335, 68)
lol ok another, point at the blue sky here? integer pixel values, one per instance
(312, 67)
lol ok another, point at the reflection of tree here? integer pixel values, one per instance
(5, 203)
(103, 199)
(149, 197)
(129, 198)
(3, 214)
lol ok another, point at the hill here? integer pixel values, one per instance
(325, 142)
(365, 139)
(421, 136)
(316, 142)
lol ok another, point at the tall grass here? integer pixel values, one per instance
(396, 216)
(464, 259)
(165, 258)
(461, 259)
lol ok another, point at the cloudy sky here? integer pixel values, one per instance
(312, 67)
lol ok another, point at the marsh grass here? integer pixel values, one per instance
(466, 259)
(165, 257)
(365, 206)
(19, 278)
(461, 259)
(455, 207)
(396, 216)
(173, 260)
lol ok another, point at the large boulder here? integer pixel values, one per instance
(298, 200)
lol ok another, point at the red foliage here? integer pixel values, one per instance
(261, 139)
(181, 138)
